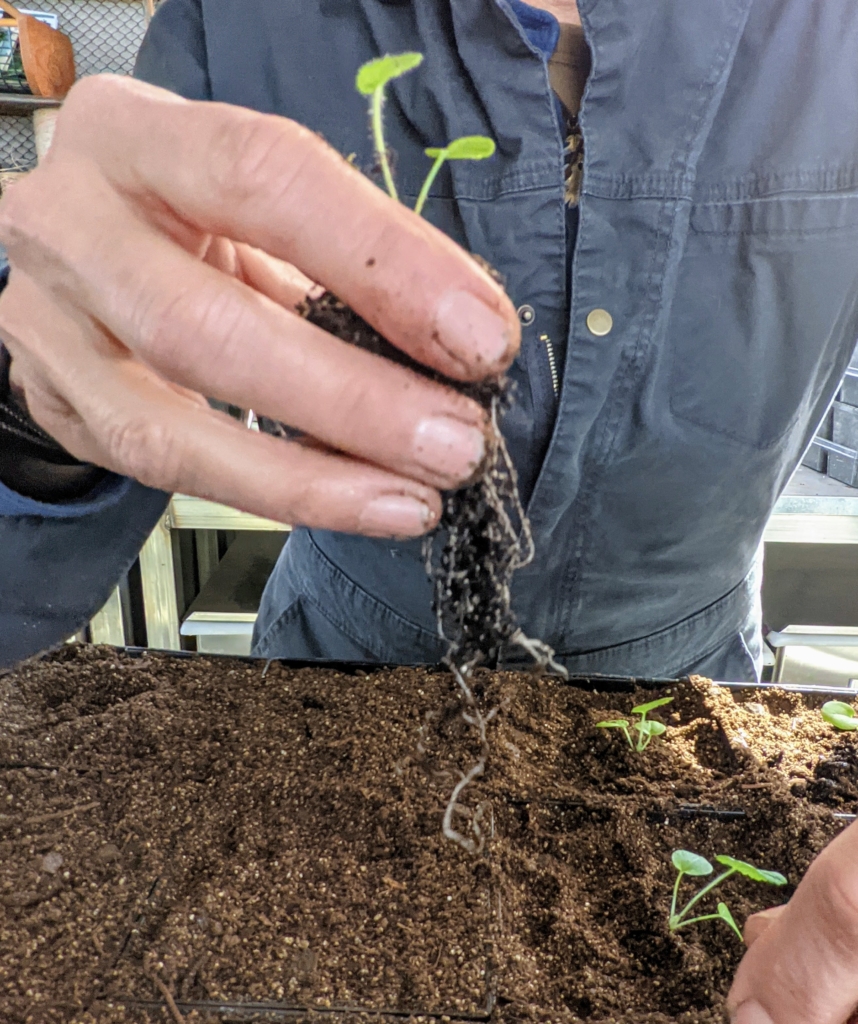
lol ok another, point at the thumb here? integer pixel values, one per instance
(759, 923)
(800, 968)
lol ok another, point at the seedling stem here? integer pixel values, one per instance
(430, 180)
(380, 145)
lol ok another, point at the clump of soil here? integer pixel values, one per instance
(483, 535)
(221, 833)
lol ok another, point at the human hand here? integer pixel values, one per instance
(802, 964)
(157, 255)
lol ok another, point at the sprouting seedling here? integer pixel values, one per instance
(645, 728)
(469, 147)
(841, 716)
(695, 866)
(372, 79)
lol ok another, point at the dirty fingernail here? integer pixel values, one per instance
(449, 448)
(396, 515)
(470, 331)
(751, 1013)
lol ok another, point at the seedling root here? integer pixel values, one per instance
(480, 721)
(542, 654)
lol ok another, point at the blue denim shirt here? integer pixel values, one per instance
(718, 225)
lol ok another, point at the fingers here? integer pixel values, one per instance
(280, 281)
(136, 291)
(213, 334)
(116, 412)
(801, 966)
(270, 183)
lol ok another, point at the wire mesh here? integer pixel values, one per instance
(12, 75)
(17, 143)
(105, 34)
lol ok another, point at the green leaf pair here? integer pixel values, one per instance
(694, 866)
(841, 716)
(645, 728)
(372, 79)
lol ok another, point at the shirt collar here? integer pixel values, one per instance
(541, 27)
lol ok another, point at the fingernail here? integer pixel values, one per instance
(470, 331)
(448, 447)
(751, 1013)
(396, 515)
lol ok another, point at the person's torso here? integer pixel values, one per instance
(718, 228)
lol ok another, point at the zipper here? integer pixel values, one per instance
(552, 363)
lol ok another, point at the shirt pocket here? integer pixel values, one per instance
(764, 314)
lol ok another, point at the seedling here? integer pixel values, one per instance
(645, 728)
(695, 866)
(841, 716)
(372, 79)
(476, 604)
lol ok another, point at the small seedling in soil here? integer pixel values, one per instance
(644, 727)
(695, 866)
(841, 716)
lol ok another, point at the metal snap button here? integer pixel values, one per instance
(526, 315)
(599, 322)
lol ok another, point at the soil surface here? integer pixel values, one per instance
(201, 832)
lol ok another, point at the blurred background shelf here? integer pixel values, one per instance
(222, 616)
(202, 571)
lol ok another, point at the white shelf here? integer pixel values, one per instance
(814, 510)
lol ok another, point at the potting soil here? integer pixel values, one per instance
(202, 832)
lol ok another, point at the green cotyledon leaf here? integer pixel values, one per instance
(375, 74)
(691, 863)
(651, 728)
(749, 871)
(842, 716)
(643, 709)
(468, 147)
(725, 915)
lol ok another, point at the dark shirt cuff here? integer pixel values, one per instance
(32, 464)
